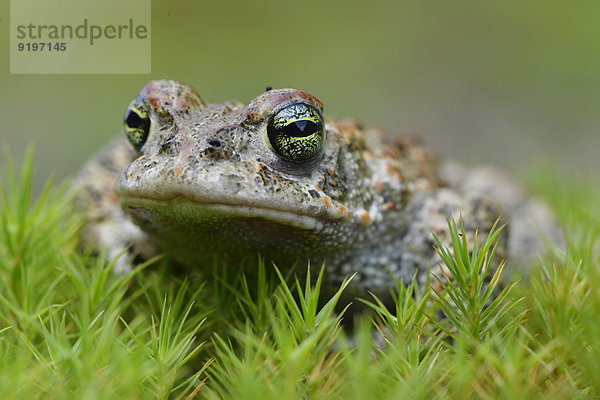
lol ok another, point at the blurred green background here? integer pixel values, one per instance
(509, 83)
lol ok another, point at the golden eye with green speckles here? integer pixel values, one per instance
(137, 123)
(296, 132)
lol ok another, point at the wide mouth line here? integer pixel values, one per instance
(326, 216)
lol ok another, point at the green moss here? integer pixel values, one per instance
(69, 328)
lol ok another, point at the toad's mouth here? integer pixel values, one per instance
(192, 232)
(181, 209)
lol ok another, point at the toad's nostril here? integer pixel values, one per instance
(214, 143)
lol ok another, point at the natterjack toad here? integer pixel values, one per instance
(204, 181)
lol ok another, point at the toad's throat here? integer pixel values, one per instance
(192, 231)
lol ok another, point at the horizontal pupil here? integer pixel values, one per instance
(133, 120)
(300, 128)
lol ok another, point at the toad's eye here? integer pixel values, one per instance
(296, 132)
(137, 123)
